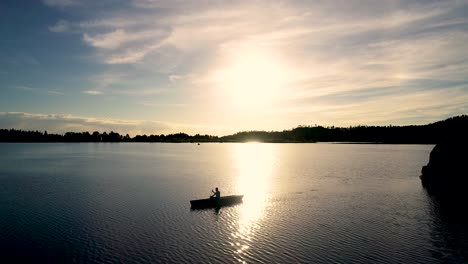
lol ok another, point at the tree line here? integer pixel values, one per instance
(413, 134)
(15, 135)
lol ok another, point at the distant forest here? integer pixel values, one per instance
(414, 134)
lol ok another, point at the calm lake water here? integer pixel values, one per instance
(303, 203)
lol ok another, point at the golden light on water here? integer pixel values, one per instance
(255, 163)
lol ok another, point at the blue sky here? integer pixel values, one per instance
(217, 67)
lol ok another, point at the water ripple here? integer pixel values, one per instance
(128, 203)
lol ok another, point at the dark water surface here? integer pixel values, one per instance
(306, 203)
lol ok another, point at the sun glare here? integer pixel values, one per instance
(251, 79)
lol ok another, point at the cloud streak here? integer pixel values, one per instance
(92, 92)
(39, 91)
(56, 93)
(60, 26)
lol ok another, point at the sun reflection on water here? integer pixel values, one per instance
(255, 166)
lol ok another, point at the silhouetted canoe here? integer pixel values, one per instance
(211, 202)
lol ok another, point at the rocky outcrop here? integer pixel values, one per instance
(447, 170)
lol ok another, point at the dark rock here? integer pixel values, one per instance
(447, 171)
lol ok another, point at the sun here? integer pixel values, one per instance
(251, 79)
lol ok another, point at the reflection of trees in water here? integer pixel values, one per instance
(449, 233)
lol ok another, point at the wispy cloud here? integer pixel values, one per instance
(92, 92)
(118, 38)
(124, 82)
(26, 88)
(38, 90)
(60, 26)
(56, 93)
(159, 104)
(177, 78)
(128, 56)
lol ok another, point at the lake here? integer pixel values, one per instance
(303, 203)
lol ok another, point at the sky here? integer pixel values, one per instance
(219, 67)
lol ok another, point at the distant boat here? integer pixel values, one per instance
(211, 202)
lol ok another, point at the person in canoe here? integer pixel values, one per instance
(216, 195)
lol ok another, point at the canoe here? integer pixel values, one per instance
(211, 202)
